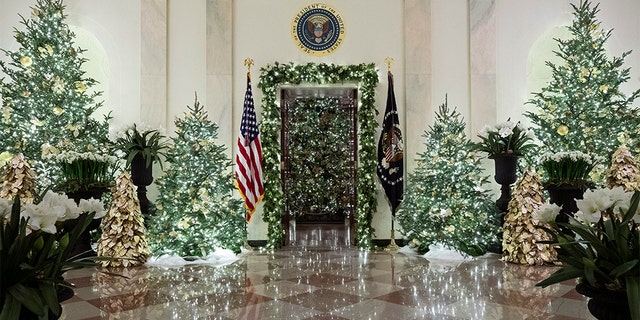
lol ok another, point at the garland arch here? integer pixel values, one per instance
(271, 76)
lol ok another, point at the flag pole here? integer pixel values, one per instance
(392, 247)
(246, 245)
(248, 62)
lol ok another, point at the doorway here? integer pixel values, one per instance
(319, 164)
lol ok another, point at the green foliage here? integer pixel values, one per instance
(149, 144)
(443, 202)
(270, 127)
(196, 212)
(48, 100)
(32, 263)
(569, 168)
(582, 107)
(605, 254)
(505, 138)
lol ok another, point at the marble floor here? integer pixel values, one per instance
(325, 282)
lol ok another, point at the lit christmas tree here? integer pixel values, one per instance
(196, 213)
(582, 107)
(47, 102)
(444, 203)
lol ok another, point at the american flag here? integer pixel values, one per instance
(249, 156)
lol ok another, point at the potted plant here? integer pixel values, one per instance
(141, 148)
(568, 176)
(506, 138)
(146, 143)
(504, 143)
(35, 252)
(603, 252)
(83, 175)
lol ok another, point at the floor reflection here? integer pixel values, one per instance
(307, 283)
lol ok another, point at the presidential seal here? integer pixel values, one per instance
(318, 29)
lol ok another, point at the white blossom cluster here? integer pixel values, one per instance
(591, 206)
(574, 156)
(505, 129)
(54, 207)
(71, 156)
(130, 130)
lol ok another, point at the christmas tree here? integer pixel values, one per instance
(196, 213)
(582, 107)
(444, 203)
(123, 231)
(47, 102)
(521, 235)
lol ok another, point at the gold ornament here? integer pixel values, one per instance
(80, 87)
(26, 61)
(123, 231)
(57, 111)
(563, 130)
(521, 236)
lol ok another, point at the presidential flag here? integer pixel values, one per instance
(249, 156)
(391, 152)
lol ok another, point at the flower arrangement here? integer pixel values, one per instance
(83, 171)
(142, 141)
(569, 168)
(505, 138)
(35, 252)
(605, 250)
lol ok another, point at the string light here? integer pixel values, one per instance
(196, 213)
(48, 99)
(582, 107)
(444, 203)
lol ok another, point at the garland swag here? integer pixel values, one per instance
(277, 74)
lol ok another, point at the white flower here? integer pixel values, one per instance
(546, 213)
(42, 216)
(593, 203)
(485, 131)
(93, 205)
(53, 199)
(505, 132)
(621, 199)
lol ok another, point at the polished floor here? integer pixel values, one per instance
(312, 279)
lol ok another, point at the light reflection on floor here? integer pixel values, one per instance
(336, 282)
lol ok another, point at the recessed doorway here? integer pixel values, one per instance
(319, 164)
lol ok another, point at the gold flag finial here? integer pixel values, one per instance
(388, 61)
(248, 62)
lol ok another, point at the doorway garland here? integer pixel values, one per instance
(277, 74)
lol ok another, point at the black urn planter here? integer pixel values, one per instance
(606, 304)
(142, 176)
(565, 196)
(506, 166)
